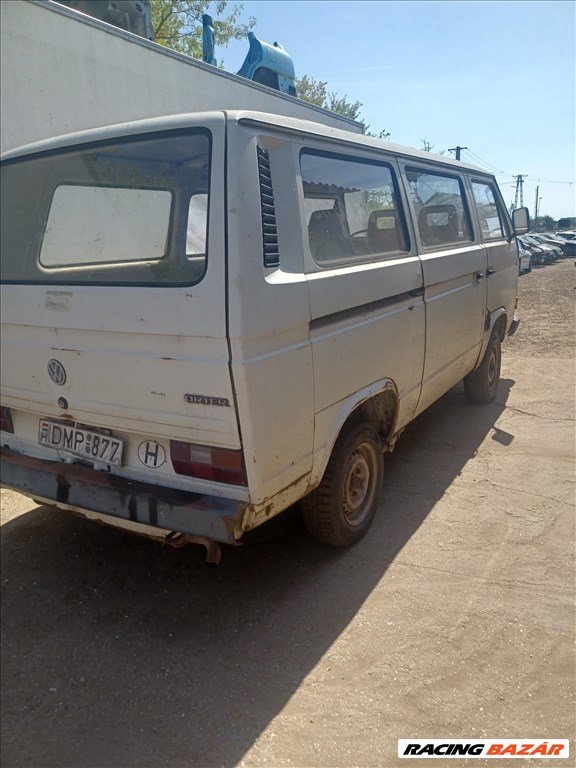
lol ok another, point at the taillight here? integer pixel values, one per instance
(6, 424)
(219, 464)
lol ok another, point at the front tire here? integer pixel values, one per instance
(481, 385)
(341, 509)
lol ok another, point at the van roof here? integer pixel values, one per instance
(337, 134)
(247, 117)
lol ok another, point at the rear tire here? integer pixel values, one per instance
(481, 385)
(341, 509)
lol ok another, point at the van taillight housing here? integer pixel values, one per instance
(221, 465)
(6, 424)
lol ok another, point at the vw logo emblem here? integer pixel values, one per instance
(56, 372)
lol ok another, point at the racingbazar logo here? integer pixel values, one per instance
(500, 748)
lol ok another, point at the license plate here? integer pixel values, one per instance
(81, 442)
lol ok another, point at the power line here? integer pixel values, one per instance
(486, 163)
(514, 176)
(479, 161)
(549, 181)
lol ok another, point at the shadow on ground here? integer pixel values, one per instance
(117, 651)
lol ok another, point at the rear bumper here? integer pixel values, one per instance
(72, 486)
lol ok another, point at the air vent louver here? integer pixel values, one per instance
(269, 227)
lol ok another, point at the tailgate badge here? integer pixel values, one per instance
(56, 372)
(207, 400)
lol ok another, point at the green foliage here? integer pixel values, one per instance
(568, 222)
(312, 91)
(344, 107)
(316, 92)
(544, 224)
(178, 24)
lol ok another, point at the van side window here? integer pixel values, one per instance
(352, 208)
(440, 208)
(489, 213)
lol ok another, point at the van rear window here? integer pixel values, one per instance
(134, 211)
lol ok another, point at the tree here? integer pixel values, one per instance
(178, 24)
(311, 90)
(428, 147)
(544, 224)
(342, 106)
(567, 222)
(316, 92)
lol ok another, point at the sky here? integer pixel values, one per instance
(497, 77)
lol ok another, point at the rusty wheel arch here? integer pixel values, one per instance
(381, 411)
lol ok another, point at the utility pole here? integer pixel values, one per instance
(519, 192)
(457, 150)
(536, 206)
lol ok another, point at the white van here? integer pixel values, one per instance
(208, 317)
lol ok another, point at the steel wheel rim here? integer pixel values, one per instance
(358, 484)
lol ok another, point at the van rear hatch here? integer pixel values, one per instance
(114, 348)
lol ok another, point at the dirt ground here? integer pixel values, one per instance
(454, 617)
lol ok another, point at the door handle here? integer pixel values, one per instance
(490, 271)
(479, 275)
(417, 292)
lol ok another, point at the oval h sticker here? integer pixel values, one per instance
(151, 454)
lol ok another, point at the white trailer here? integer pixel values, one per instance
(63, 71)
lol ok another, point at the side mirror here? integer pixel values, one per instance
(521, 221)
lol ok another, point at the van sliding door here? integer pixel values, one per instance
(454, 267)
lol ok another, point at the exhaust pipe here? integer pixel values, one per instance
(213, 551)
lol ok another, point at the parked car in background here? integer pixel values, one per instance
(548, 237)
(525, 259)
(551, 242)
(569, 248)
(568, 244)
(548, 253)
(538, 254)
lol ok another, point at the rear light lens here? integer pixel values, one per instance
(6, 424)
(218, 464)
